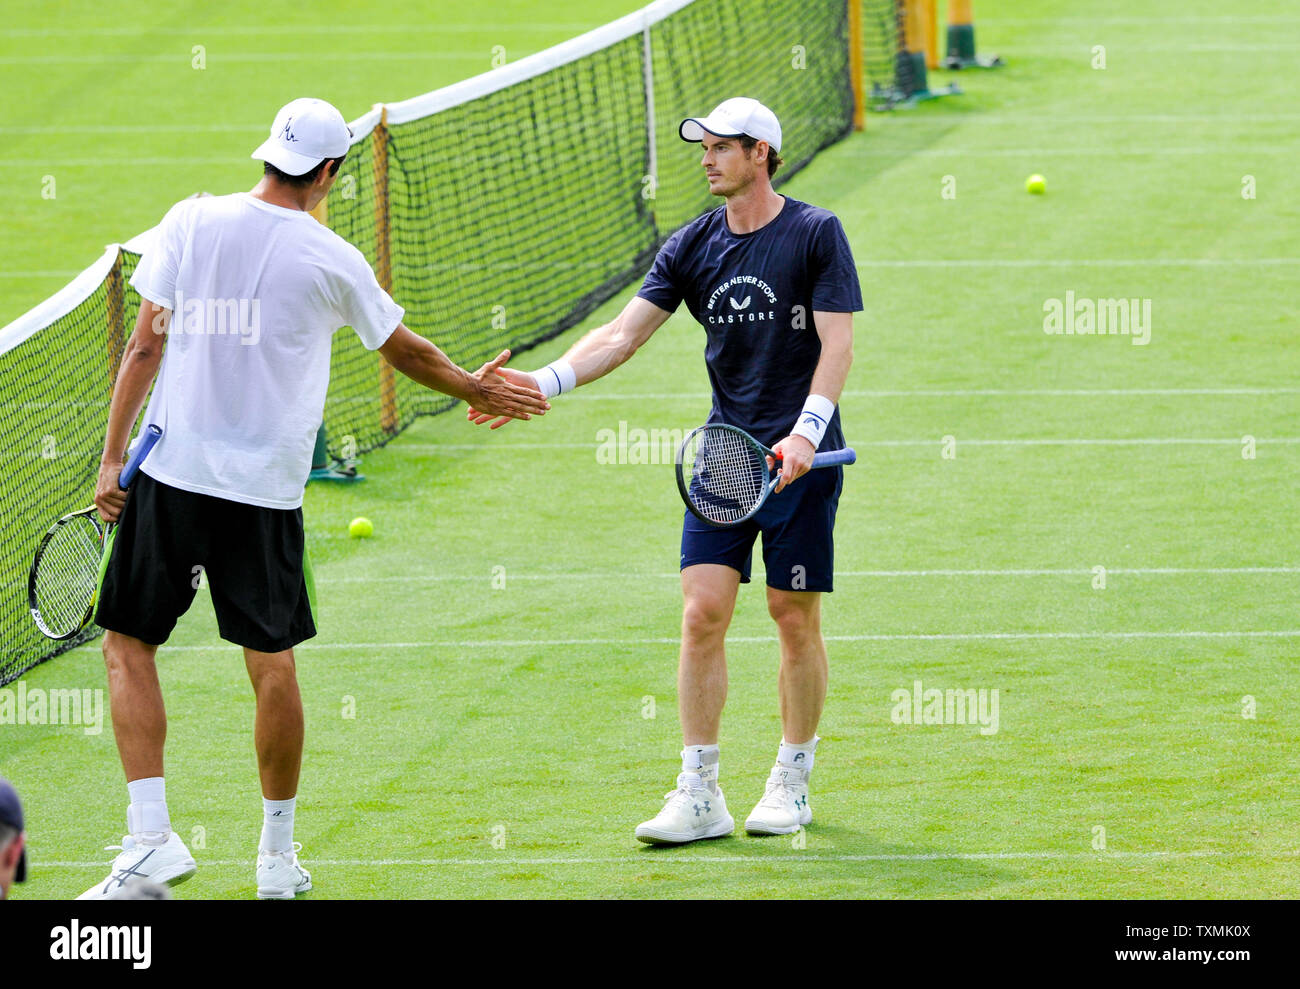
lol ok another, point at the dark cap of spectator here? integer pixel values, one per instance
(11, 814)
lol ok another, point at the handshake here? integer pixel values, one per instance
(504, 394)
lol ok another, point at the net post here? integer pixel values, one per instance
(961, 39)
(912, 54)
(384, 265)
(115, 305)
(931, 34)
(857, 71)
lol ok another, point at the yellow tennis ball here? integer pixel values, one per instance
(1036, 184)
(360, 528)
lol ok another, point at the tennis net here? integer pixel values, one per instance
(500, 211)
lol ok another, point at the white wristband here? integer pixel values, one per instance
(814, 419)
(556, 378)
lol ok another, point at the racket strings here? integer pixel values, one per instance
(67, 574)
(728, 475)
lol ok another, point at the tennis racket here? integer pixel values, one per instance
(64, 579)
(723, 476)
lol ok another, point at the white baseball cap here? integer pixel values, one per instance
(733, 118)
(304, 134)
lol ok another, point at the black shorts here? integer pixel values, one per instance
(255, 560)
(798, 528)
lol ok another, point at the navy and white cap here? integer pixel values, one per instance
(11, 813)
(304, 134)
(733, 118)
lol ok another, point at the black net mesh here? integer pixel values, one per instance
(515, 215)
(794, 58)
(54, 393)
(508, 219)
(352, 405)
(885, 66)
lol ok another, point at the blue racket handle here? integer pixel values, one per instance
(833, 458)
(152, 435)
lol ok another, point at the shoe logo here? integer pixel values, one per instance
(797, 755)
(697, 808)
(124, 874)
(738, 306)
(802, 801)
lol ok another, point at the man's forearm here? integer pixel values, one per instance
(603, 349)
(129, 392)
(832, 371)
(430, 367)
(836, 333)
(600, 351)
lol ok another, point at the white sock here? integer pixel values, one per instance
(797, 755)
(146, 815)
(277, 825)
(702, 759)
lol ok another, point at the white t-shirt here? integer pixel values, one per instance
(256, 292)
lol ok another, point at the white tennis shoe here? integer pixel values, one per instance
(692, 812)
(280, 876)
(166, 864)
(784, 808)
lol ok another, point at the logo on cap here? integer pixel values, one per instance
(287, 131)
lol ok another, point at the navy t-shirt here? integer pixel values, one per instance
(755, 295)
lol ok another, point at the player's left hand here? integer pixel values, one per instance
(796, 459)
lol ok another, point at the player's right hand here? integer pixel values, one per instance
(505, 394)
(109, 498)
(518, 385)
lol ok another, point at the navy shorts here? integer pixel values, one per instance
(256, 563)
(797, 525)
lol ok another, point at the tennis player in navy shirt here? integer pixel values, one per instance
(773, 283)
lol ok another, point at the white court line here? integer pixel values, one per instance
(644, 857)
(218, 56)
(136, 129)
(861, 152)
(1011, 119)
(38, 163)
(428, 27)
(1101, 118)
(666, 640)
(69, 273)
(487, 577)
(1065, 262)
(1222, 149)
(596, 445)
(958, 393)
(1145, 441)
(588, 395)
(1092, 21)
(1084, 49)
